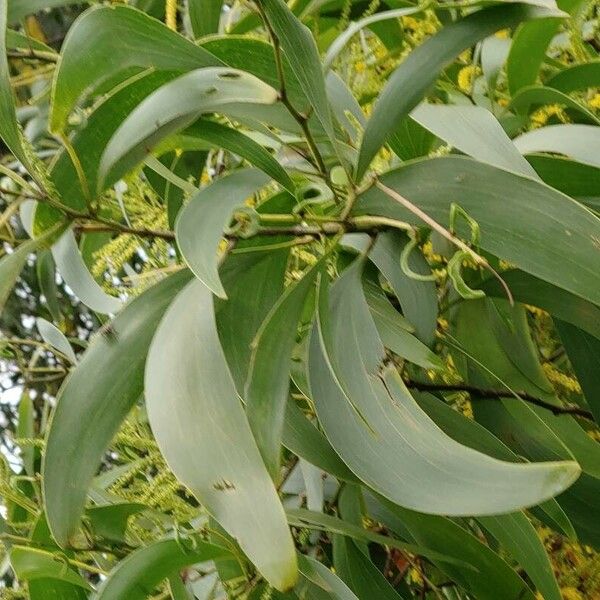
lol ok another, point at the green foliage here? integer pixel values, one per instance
(299, 300)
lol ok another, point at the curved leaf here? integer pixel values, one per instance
(204, 16)
(117, 41)
(175, 106)
(201, 429)
(91, 406)
(55, 338)
(200, 225)
(577, 77)
(136, 577)
(411, 80)
(535, 227)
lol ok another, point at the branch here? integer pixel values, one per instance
(492, 394)
(33, 54)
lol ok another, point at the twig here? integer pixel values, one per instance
(33, 54)
(495, 394)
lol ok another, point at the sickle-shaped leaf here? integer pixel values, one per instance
(411, 80)
(136, 577)
(91, 406)
(474, 131)
(175, 106)
(200, 225)
(200, 426)
(55, 338)
(577, 77)
(580, 142)
(534, 227)
(73, 270)
(381, 433)
(268, 383)
(112, 43)
(319, 575)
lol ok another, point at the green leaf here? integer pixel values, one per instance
(73, 270)
(528, 48)
(197, 419)
(363, 577)
(318, 574)
(267, 387)
(220, 136)
(173, 107)
(200, 225)
(576, 77)
(474, 131)
(368, 415)
(580, 142)
(300, 49)
(110, 521)
(111, 44)
(583, 351)
(46, 275)
(536, 228)
(33, 563)
(489, 579)
(204, 16)
(137, 576)
(9, 128)
(411, 80)
(519, 537)
(55, 338)
(21, 8)
(91, 406)
(537, 95)
(16, 40)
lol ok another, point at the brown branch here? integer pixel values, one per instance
(493, 394)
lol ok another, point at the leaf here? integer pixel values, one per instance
(22, 8)
(528, 48)
(369, 416)
(33, 563)
(197, 419)
(537, 95)
(302, 54)
(204, 16)
(418, 299)
(576, 77)
(322, 577)
(200, 225)
(474, 131)
(580, 142)
(519, 537)
(91, 406)
(219, 136)
(359, 572)
(558, 302)
(73, 270)
(173, 107)
(583, 351)
(9, 128)
(489, 578)
(536, 228)
(110, 44)
(415, 75)
(17, 40)
(46, 275)
(55, 338)
(110, 521)
(341, 40)
(267, 387)
(136, 577)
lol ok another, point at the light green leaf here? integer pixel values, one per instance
(137, 576)
(368, 416)
(55, 338)
(536, 228)
(46, 276)
(580, 142)
(577, 77)
(204, 16)
(519, 537)
(92, 406)
(73, 270)
(415, 75)
(111, 44)
(198, 420)
(21, 8)
(109, 521)
(33, 563)
(267, 387)
(200, 225)
(322, 577)
(176, 105)
(474, 131)
(583, 351)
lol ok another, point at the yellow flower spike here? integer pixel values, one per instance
(466, 76)
(571, 593)
(502, 34)
(594, 101)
